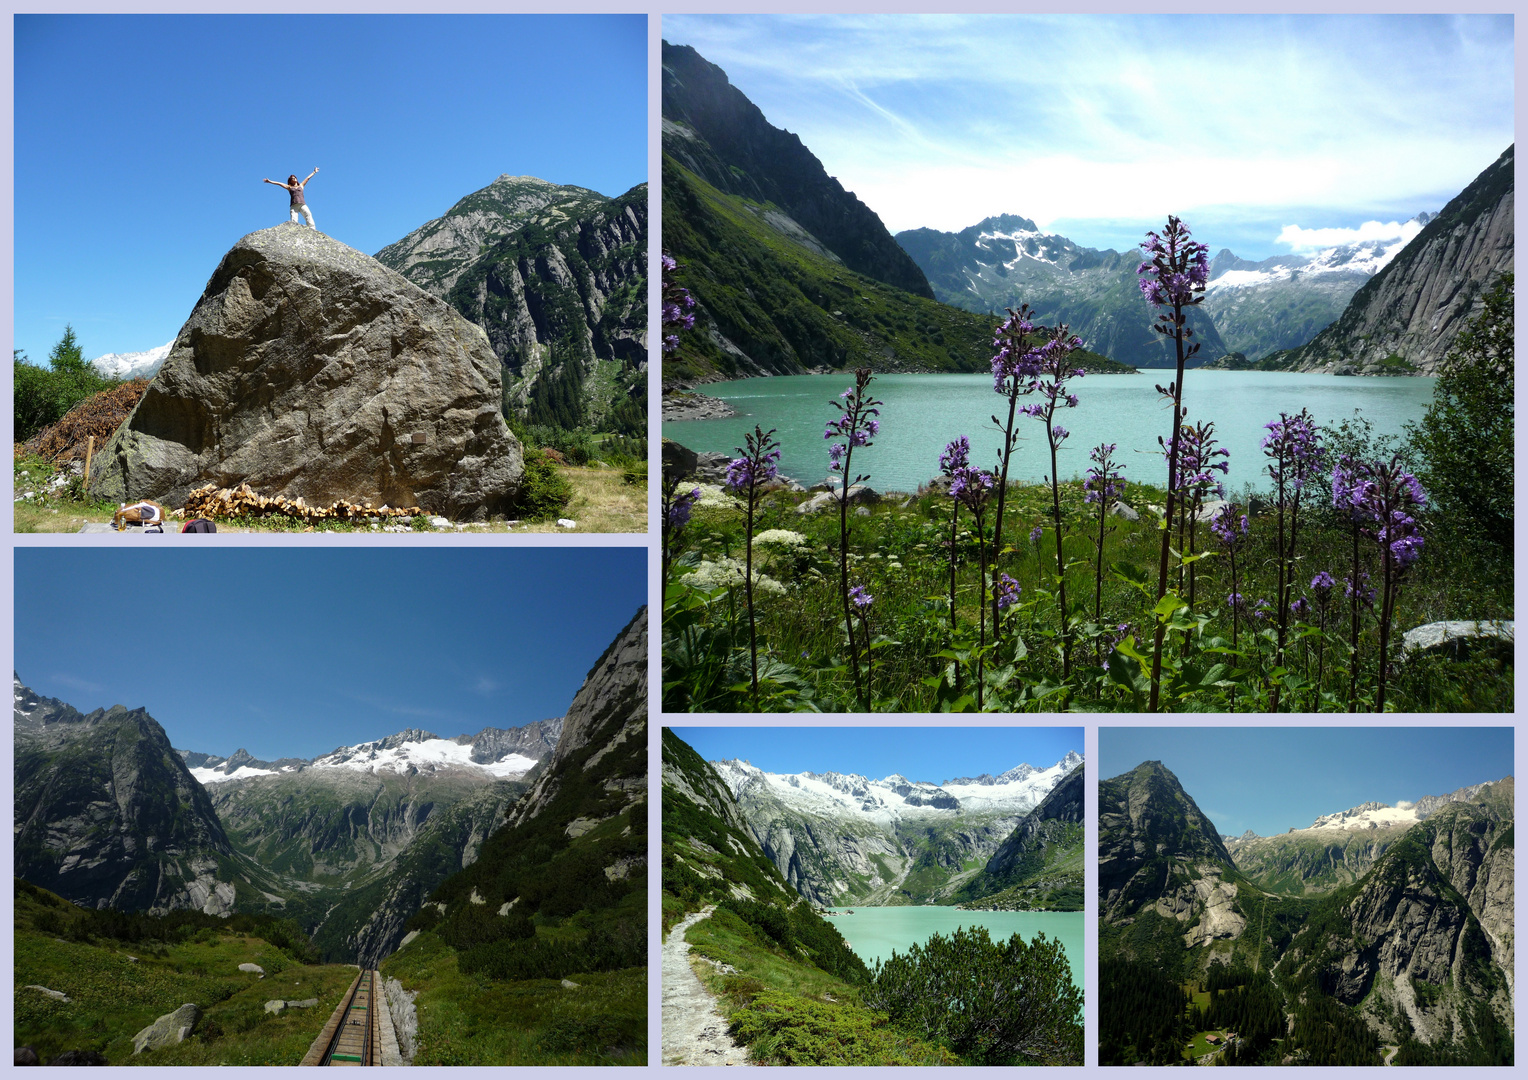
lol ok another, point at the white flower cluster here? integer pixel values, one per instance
(729, 573)
(780, 538)
(714, 495)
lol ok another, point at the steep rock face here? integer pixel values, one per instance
(555, 276)
(1428, 933)
(107, 815)
(1418, 304)
(1158, 852)
(721, 136)
(606, 720)
(705, 834)
(1006, 260)
(1064, 803)
(576, 843)
(308, 369)
(367, 923)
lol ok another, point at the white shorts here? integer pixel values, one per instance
(305, 213)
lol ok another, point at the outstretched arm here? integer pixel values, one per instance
(311, 175)
(278, 183)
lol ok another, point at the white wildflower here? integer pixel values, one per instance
(728, 573)
(781, 538)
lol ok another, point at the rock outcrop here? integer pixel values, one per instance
(168, 1030)
(107, 814)
(1416, 306)
(309, 370)
(1154, 846)
(1429, 933)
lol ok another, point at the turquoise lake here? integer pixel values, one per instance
(922, 413)
(873, 932)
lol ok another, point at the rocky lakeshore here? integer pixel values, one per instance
(688, 405)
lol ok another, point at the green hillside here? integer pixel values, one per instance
(793, 991)
(122, 971)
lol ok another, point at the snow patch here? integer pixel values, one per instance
(243, 772)
(426, 756)
(133, 365)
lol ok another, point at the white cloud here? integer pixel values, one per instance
(941, 121)
(1299, 239)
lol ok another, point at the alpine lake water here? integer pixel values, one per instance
(922, 413)
(874, 932)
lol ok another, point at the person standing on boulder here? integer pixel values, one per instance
(295, 186)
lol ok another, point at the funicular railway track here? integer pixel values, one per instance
(353, 1034)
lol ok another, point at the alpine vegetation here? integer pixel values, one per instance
(937, 597)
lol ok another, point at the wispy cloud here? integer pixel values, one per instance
(485, 686)
(941, 121)
(74, 682)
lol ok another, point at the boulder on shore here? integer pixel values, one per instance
(168, 1030)
(308, 369)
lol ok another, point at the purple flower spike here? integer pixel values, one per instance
(1007, 591)
(860, 598)
(679, 511)
(956, 456)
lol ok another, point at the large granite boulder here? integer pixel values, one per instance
(308, 369)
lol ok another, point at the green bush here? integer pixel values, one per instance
(994, 1004)
(623, 945)
(472, 925)
(543, 491)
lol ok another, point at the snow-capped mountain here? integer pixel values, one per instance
(493, 753)
(889, 800)
(1284, 301)
(421, 751)
(1364, 259)
(843, 837)
(133, 365)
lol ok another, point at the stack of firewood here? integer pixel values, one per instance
(243, 501)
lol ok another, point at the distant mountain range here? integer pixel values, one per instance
(846, 839)
(109, 815)
(794, 274)
(505, 754)
(133, 365)
(1402, 916)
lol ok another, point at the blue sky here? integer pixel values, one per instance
(1318, 122)
(1269, 779)
(293, 652)
(141, 141)
(931, 754)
